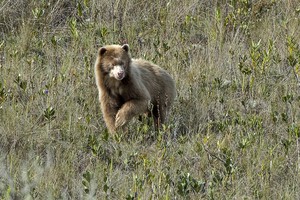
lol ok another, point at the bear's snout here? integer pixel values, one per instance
(121, 75)
(117, 72)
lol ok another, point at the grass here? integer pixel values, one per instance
(234, 129)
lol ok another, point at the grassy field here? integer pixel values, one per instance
(234, 128)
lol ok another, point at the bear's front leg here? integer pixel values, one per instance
(109, 114)
(129, 110)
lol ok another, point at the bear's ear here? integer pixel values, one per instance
(102, 50)
(125, 47)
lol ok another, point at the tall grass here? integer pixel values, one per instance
(234, 129)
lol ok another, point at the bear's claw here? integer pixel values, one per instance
(120, 121)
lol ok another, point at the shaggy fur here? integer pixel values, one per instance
(131, 87)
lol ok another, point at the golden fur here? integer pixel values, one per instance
(131, 87)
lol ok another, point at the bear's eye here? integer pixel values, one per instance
(110, 66)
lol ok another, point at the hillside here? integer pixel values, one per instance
(234, 128)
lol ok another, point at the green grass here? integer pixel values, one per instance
(234, 128)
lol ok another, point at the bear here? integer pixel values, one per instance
(131, 87)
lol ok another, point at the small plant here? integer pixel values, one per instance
(49, 113)
(244, 143)
(293, 57)
(107, 184)
(187, 184)
(293, 51)
(86, 181)
(73, 28)
(186, 26)
(255, 55)
(93, 145)
(242, 15)
(22, 84)
(130, 197)
(246, 72)
(54, 40)
(38, 12)
(3, 94)
(132, 161)
(286, 144)
(102, 34)
(294, 131)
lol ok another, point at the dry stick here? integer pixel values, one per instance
(214, 155)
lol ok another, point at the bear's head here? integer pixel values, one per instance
(114, 61)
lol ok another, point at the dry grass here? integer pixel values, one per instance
(234, 129)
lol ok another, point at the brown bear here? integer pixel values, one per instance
(131, 87)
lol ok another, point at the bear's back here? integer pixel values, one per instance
(157, 80)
